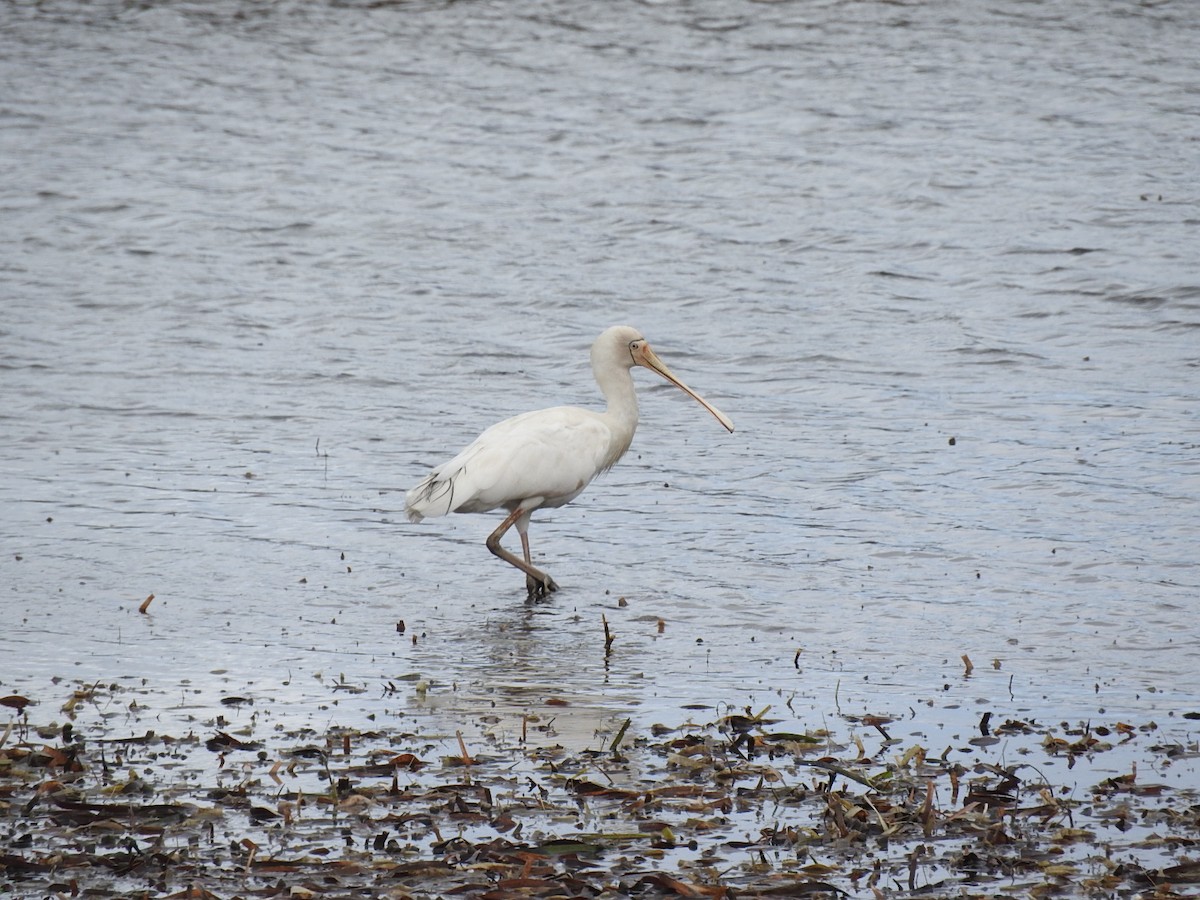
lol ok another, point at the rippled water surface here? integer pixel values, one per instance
(264, 264)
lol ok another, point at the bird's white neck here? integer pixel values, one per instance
(621, 414)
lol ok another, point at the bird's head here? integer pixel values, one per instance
(625, 346)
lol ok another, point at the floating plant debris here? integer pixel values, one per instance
(745, 804)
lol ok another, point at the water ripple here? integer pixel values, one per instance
(264, 263)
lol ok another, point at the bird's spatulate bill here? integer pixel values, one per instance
(648, 358)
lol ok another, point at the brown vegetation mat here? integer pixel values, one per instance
(732, 806)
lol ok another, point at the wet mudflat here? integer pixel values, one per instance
(97, 801)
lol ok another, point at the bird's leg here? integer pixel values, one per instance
(532, 585)
(537, 582)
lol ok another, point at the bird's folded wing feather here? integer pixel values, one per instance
(550, 454)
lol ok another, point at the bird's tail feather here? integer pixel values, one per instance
(432, 497)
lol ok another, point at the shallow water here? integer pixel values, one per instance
(264, 265)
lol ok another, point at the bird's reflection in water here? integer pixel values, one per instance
(521, 673)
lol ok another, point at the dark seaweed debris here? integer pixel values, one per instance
(739, 806)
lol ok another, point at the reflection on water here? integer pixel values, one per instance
(264, 265)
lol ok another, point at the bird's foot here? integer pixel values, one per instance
(539, 588)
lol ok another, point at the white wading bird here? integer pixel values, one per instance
(546, 458)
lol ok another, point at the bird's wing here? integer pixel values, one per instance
(550, 454)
